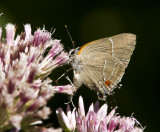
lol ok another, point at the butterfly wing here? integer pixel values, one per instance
(101, 72)
(120, 46)
(104, 61)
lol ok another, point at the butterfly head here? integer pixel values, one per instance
(72, 54)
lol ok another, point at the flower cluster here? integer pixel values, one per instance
(24, 88)
(96, 120)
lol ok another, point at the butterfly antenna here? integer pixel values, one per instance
(73, 43)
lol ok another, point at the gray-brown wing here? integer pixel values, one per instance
(120, 46)
(101, 72)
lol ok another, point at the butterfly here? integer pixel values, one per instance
(101, 64)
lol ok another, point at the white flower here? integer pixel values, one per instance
(68, 122)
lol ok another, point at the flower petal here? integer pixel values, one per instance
(62, 118)
(102, 112)
(110, 115)
(81, 107)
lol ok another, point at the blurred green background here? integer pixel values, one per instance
(94, 19)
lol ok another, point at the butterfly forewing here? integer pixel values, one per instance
(120, 46)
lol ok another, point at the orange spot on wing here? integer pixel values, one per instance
(84, 46)
(107, 83)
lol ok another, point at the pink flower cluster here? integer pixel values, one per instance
(24, 89)
(96, 120)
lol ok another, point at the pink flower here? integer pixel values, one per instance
(68, 89)
(44, 112)
(97, 120)
(24, 86)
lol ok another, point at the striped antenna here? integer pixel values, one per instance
(73, 43)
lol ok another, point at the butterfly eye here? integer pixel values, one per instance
(72, 52)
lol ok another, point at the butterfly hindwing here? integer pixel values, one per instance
(102, 68)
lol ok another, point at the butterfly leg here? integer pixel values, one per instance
(63, 75)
